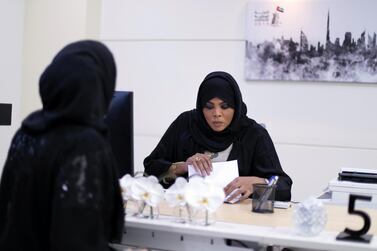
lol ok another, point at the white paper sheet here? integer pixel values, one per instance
(222, 173)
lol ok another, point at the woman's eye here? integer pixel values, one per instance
(224, 106)
(208, 106)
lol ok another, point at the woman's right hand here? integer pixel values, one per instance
(201, 163)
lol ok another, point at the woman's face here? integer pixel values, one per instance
(218, 114)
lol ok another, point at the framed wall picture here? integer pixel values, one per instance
(311, 40)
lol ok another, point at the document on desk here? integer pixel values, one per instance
(222, 172)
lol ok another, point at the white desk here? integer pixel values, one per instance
(238, 223)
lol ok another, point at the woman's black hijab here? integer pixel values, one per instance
(221, 85)
(76, 88)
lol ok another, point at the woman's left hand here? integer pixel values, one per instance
(244, 186)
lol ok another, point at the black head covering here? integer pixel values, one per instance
(216, 88)
(76, 88)
(224, 86)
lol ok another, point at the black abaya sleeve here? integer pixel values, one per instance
(165, 153)
(266, 164)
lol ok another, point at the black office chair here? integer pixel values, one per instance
(120, 122)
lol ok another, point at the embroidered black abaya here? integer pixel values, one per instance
(59, 188)
(252, 146)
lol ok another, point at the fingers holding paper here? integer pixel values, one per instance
(201, 163)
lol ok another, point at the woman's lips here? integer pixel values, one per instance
(217, 123)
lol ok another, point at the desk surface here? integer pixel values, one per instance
(238, 222)
(337, 217)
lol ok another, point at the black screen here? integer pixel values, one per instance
(5, 114)
(120, 122)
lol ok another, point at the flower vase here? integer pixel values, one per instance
(131, 207)
(140, 209)
(153, 212)
(182, 214)
(204, 217)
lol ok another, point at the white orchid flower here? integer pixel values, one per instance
(175, 195)
(147, 190)
(157, 195)
(125, 185)
(152, 179)
(202, 194)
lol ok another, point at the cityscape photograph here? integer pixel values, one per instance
(349, 58)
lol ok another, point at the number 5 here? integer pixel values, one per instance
(357, 235)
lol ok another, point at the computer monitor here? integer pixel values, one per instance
(121, 132)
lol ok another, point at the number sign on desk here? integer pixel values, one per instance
(357, 235)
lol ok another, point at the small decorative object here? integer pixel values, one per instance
(125, 185)
(175, 197)
(310, 217)
(204, 196)
(148, 192)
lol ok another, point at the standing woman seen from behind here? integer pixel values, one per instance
(59, 188)
(219, 130)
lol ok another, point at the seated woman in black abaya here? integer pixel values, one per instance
(219, 130)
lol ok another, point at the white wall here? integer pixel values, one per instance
(11, 27)
(35, 31)
(49, 25)
(164, 48)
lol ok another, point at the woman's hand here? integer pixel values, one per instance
(201, 162)
(242, 186)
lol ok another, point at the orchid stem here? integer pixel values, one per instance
(141, 209)
(206, 218)
(125, 207)
(189, 213)
(151, 212)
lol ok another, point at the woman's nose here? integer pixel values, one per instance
(217, 112)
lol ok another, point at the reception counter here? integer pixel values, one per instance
(237, 228)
